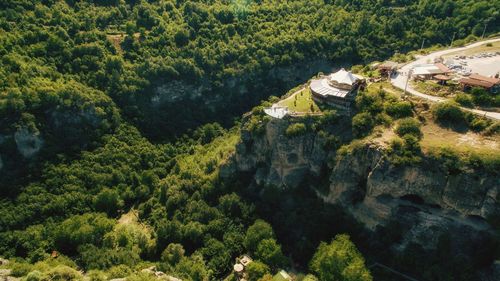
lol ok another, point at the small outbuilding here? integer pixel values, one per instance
(277, 111)
(282, 276)
(387, 68)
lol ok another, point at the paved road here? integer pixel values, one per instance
(400, 80)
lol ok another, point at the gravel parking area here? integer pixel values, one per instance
(484, 66)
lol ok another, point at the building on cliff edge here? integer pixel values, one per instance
(338, 90)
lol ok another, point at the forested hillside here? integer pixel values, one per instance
(107, 111)
(174, 65)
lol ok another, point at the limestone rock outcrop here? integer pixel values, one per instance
(426, 198)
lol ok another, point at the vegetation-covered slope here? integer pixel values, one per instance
(161, 61)
(81, 82)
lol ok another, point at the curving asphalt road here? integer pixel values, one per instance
(400, 80)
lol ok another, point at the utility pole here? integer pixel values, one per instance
(453, 38)
(422, 46)
(484, 31)
(407, 80)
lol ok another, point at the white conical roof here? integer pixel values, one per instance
(343, 77)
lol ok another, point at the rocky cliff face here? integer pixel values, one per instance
(424, 198)
(279, 160)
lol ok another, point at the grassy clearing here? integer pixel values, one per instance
(439, 137)
(495, 47)
(301, 102)
(116, 40)
(384, 85)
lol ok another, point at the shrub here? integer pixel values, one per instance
(448, 112)
(119, 271)
(362, 124)
(257, 124)
(409, 126)
(96, 275)
(383, 119)
(34, 276)
(295, 129)
(405, 150)
(465, 100)
(63, 273)
(256, 270)
(449, 158)
(482, 97)
(20, 269)
(492, 129)
(399, 109)
(478, 124)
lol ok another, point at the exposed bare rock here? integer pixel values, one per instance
(425, 198)
(28, 142)
(280, 160)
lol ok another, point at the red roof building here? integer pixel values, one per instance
(476, 80)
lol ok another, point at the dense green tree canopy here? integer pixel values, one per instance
(339, 260)
(103, 156)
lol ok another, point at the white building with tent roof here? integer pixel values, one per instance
(338, 89)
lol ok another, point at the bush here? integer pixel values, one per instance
(399, 109)
(295, 129)
(96, 275)
(20, 269)
(362, 124)
(34, 276)
(478, 124)
(448, 112)
(405, 150)
(257, 270)
(482, 97)
(465, 100)
(383, 119)
(63, 273)
(449, 158)
(119, 271)
(409, 126)
(492, 129)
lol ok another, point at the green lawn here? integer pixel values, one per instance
(301, 102)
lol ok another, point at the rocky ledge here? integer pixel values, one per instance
(426, 198)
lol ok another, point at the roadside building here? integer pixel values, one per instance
(338, 89)
(387, 68)
(429, 71)
(475, 80)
